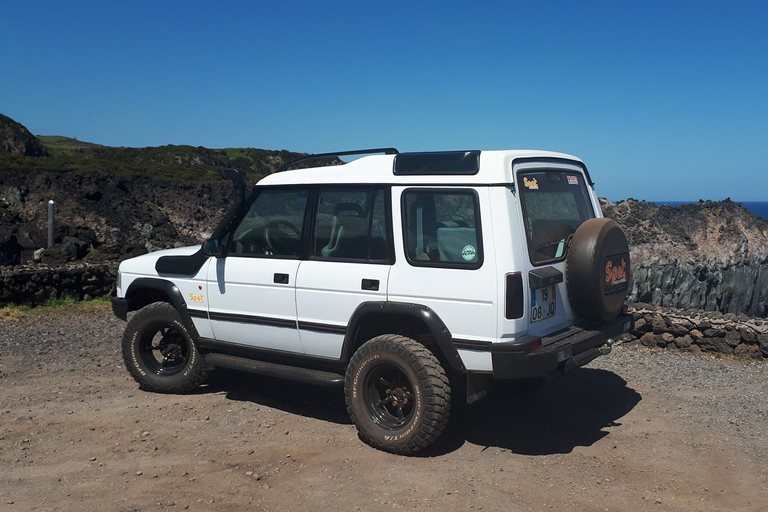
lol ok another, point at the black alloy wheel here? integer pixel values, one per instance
(388, 396)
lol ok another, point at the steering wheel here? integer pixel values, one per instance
(282, 237)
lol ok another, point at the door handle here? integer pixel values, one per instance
(370, 284)
(281, 278)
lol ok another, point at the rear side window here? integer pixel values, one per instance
(554, 203)
(351, 224)
(442, 228)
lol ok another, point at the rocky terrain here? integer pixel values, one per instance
(16, 140)
(711, 255)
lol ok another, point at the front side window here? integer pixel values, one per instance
(554, 203)
(442, 228)
(351, 224)
(273, 225)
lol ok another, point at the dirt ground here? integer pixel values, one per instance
(633, 429)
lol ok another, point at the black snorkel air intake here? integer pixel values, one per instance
(212, 246)
(190, 265)
(238, 178)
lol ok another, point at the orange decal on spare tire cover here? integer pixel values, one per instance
(597, 270)
(616, 273)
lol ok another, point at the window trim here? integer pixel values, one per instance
(242, 214)
(385, 190)
(478, 227)
(524, 208)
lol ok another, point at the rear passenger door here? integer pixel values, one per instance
(450, 263)
(349, 261)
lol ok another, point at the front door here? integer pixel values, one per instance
(252, 289)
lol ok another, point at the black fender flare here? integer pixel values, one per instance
(170, 290)
(434, 323)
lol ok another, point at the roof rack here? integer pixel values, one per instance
(386, 151)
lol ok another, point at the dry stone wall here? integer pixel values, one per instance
(33, 285)
(699, 331)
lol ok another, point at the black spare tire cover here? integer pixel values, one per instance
(597, 270)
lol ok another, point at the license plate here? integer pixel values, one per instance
(543, 303)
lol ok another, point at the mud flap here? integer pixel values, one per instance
(477, 386)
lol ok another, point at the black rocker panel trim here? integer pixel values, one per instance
(250, 319)
(269, 354)
(332, 329)
(425, 314)
(279, 370)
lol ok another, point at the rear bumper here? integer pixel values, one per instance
(558, 354)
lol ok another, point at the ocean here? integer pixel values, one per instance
(759, 208)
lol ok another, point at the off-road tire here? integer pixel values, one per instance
(415, 374)
(155, 329)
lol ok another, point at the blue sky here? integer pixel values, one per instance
(663, 100)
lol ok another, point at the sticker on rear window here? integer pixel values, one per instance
(573, 180)
(468, 252)
(531, 184)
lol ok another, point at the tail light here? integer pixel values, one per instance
(514, 296)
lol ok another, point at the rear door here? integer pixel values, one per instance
(450, 258)
(554, 200)
(349, 262)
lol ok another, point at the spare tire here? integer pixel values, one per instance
(597, 271)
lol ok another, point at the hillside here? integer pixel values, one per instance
(22, 151)
(709, 255)
(114, 202)
(17, 141)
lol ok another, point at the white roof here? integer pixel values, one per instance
(494, 168)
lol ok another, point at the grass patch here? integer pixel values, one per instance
(13, 312)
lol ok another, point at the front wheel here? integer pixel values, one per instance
(159, 352)
(397, 394)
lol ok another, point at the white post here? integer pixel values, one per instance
(50, 223)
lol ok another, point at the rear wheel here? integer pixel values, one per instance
(159, 352)
(397, 394)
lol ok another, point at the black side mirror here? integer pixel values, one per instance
(212, 247)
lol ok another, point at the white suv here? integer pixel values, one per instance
(400, 276)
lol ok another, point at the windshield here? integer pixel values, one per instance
(554, 203)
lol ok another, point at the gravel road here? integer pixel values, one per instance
(637, 428)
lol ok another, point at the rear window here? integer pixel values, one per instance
(442, 228)
(554, 203)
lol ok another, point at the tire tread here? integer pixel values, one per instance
(436, 391)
